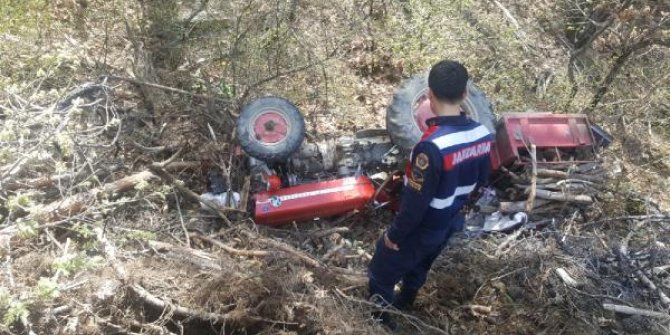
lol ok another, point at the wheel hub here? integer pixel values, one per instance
(422, 112)
(270, 127)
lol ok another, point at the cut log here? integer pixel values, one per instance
(546, 173)
(559, 196)
(513, 176)
(520, 206)
(635, 311)
(533, 180)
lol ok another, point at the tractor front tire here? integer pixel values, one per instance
(270, 129)
(401, 123)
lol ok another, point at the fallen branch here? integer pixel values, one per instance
(479, 310)
(635, 311)
(299, 255)
(167, 88)
(151, 328)
(230, 250)
(520, 34)
(651, 217)
(308, 260)
(78, 203)
(194, 256)
(507, 241)
(566, 278)
(330, 253)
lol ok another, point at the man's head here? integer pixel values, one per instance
(447, 82)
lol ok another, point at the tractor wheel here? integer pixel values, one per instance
(407, 115)
(270, 129)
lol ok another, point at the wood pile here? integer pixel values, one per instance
(542, 187)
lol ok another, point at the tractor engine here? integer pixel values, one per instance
(368, 150)
(324, 178)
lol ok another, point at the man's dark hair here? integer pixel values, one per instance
(448, 80)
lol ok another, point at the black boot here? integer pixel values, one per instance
(385, 319)
(381, 315)
(405, 299)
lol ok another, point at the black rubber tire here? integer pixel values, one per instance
(402, 127)
(276, 152)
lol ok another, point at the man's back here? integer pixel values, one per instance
(464, 146)
(449, 163)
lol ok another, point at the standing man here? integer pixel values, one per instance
(451, 161)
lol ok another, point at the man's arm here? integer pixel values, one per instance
(419, 191)
(484, 171)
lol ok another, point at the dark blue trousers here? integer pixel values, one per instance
(411, 263)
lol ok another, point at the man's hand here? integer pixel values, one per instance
(389, 244)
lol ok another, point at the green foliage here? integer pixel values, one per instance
(226, 90)
(87, 239)
(5, 298)
(6, 155)
(19, 201)
(72, 263)
(27, 229)
(65, 144)
(141, 235)
(15, 312)
(47, 289)
(20, 16)
(142, 185)
(83, 230)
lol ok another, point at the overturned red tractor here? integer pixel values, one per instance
(299, 180)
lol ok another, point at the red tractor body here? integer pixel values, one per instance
(559, 138)
(313, 200)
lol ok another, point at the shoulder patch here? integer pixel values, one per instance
(417, 186)
(422, 161)
(417, 175)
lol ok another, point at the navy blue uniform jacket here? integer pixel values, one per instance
(450, 162)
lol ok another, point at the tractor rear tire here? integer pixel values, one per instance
(402, 125)
(270, 129)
